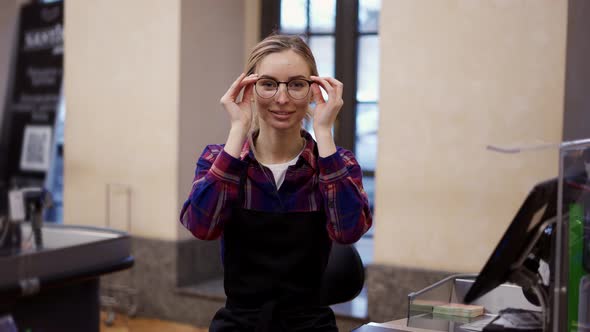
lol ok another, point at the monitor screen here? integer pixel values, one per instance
(539, 206)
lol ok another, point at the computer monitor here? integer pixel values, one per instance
(539, 206)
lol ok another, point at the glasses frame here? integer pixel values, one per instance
(286, 86)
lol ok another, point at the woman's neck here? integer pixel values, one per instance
(275, 147)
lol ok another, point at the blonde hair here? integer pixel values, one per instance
(280, 43)
(274, 44)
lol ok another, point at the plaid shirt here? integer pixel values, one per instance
(332, 184)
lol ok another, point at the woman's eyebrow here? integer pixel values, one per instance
(268, 76)
(288, 79)
(296, 76)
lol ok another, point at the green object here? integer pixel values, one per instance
(575, 254)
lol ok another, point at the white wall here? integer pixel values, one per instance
(457, 75)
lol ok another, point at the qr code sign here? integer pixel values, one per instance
(35, 153)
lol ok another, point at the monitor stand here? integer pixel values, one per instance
(531, 281)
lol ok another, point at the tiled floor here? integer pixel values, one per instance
(125, 324)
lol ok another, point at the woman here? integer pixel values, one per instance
(275, 196)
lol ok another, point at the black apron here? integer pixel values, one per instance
(273, 267)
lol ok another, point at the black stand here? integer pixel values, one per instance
(530, 281)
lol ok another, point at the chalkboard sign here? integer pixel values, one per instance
(32, 103)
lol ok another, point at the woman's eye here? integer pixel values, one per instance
(268, 84)
(297, 84)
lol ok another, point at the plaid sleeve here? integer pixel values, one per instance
(213, 194)
(345, 201)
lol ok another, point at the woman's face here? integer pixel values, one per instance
(282, 111)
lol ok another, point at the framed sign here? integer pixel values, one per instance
(36, 148)
(35, 85)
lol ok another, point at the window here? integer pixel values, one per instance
(343, 35)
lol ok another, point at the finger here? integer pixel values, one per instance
(248, 96)
(324, 84)
(247, 81)
(235, 84)
(234, 90)
(229, 94)
(316, 94)
(338, 86)
(334, 83)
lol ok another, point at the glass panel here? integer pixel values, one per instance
(367, 116)
(323, 51)
(293, 16)
(308, 124)
(369, 186)
(368, 69)
(369, 15)
(322, 15)
(365, 245)
(366, 250)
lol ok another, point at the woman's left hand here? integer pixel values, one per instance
(325, 112)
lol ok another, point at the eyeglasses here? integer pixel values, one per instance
(297, 89)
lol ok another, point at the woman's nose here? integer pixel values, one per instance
(282, 96)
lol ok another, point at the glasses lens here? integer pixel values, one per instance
(266, 88)
(298, 89)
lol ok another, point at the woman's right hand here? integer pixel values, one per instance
(240, 112)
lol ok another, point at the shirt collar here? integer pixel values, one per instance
(308, 154)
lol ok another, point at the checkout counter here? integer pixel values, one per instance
(52, 283)
(538, 276)
(421, 317)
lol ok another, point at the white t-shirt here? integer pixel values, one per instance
(280, 170)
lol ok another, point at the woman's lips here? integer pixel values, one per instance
(282, 114)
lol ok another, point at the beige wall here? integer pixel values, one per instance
(121, 87)
(251, 25)
(457, 75)
(211, 58)
(143, 82)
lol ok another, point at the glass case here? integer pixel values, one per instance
(424, 306)
(571, 291)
